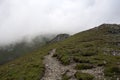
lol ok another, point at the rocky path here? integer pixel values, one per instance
(54, 69)
(97, 72)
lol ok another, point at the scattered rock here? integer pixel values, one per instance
(97, 72)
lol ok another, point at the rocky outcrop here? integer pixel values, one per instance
(112, 52)
(59, 37)
(110, 28)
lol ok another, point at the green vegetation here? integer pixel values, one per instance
(80, 59)
(18, 49)
(29, 67)
(112, 70)
(83, 66)
(89, 52)
(64, 58)
(83, 76)
(65, 77)
(97, 47)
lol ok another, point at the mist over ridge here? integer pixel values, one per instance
(28, 18)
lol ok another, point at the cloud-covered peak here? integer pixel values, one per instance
(20, 18)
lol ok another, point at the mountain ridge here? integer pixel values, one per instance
(20, 48)
(90, 49)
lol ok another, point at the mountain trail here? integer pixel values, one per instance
(54, 69)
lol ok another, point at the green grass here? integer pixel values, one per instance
(65, 77)
(26, 68)
(83, 76)
(80, 59)
(83, 66)
(112, 70)
(93, 46)
(63, 57)
(29, 67)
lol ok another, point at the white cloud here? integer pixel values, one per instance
(19, 18)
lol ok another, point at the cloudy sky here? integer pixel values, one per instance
(19, 18)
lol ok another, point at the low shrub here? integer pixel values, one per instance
(88, 45)
(83, 76)
(65, 77)
(112, 70)
(101, 63)
(55, 55)
(63, 57)
(89, 52)
(83, 66)
(81, 60)
(65, 60)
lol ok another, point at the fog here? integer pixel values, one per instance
(21, 18)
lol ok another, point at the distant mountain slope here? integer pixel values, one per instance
(15, 50)
(94, 48)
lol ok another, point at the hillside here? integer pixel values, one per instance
(95, 52)
(95, 48)
(20, 48)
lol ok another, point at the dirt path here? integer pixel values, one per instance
(54, 69)
(97, 72)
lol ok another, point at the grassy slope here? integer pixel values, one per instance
(86, 47)
(93, 48)
(13, 51)
(29, 67)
